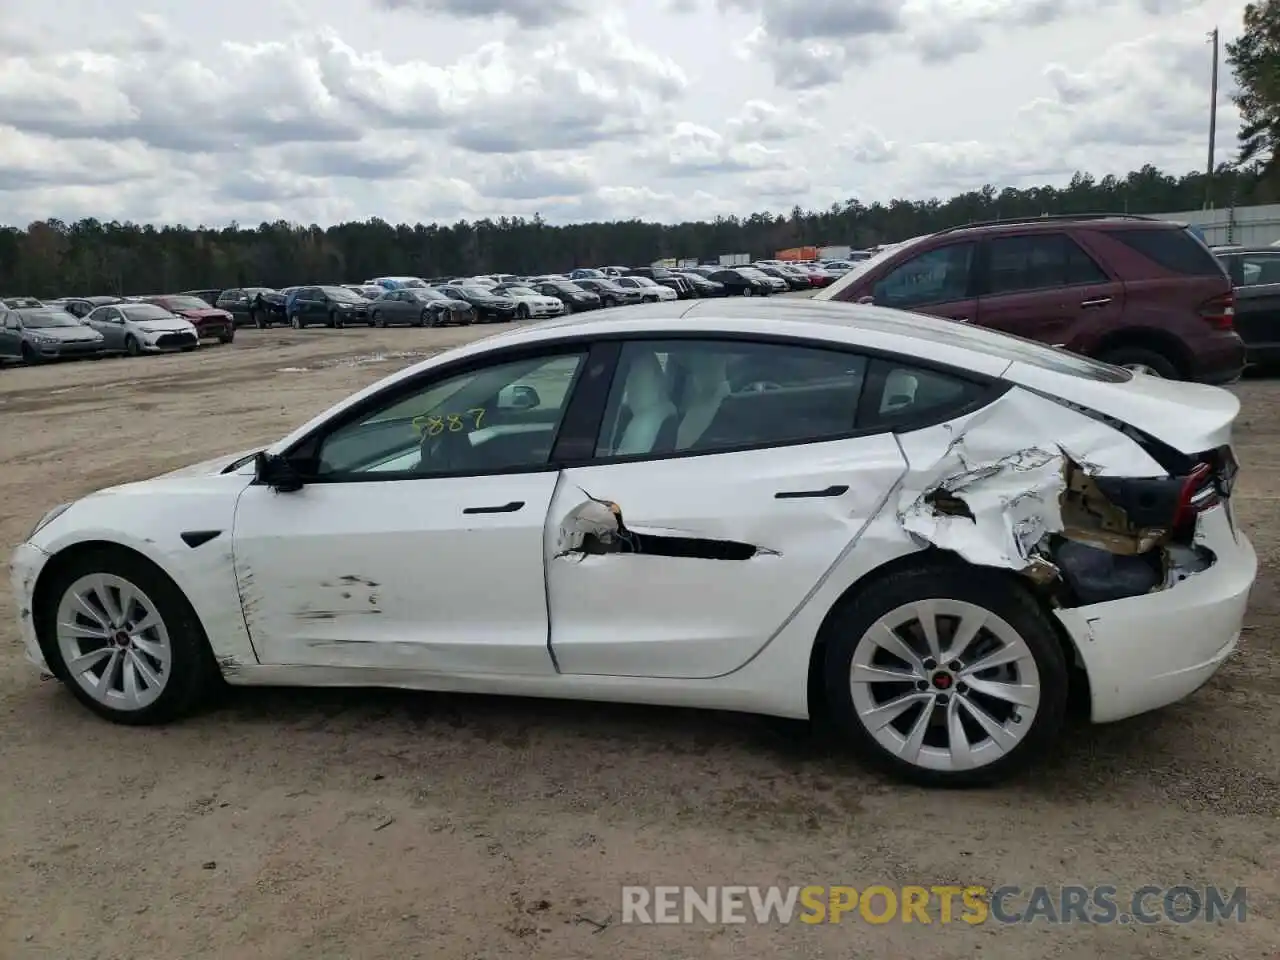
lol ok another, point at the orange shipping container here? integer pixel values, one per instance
(798, 253)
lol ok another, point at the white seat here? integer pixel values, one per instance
(648, 398)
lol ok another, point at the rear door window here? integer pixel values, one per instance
(1256, 269)
(1177, 250)
(1041, 261)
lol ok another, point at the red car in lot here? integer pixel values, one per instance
(210, 322)
(1137, 292)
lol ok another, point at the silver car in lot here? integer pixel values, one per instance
(34, 334)
(137, 328)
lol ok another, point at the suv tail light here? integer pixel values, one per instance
(1220, 312)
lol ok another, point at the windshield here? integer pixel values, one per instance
(146, 311)
(644, 282)
(568, 287)
(341, 293)
(520, 292)
(474, 290)
(590, 274)
(47, 318)
(751, 272)
(426, 293)
(185, 303)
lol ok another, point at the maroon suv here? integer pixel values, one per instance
(1134, 291)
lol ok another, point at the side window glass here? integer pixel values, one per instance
(1041, 261)
(696, 396)
(936, 276)
(1259, 268)
(904, 394)
(502, 417)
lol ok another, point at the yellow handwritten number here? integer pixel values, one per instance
(433, 426)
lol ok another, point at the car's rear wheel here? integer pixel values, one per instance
(946, 675)
(123, 638)
(1142, 360)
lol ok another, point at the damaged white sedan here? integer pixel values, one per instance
(931, 533)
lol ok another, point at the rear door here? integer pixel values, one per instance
(1256, 276)
(941, 281)
(1044, 286)
(727, 478)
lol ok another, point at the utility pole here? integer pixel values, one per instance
(1213, 121)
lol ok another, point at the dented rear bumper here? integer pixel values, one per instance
(1152, 650)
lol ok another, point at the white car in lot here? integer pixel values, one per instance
(649, 289)
(530, 304)
(929, 533)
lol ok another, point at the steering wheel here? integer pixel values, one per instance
(445, 452)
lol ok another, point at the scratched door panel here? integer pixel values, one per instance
(395, 575)
(722, 560)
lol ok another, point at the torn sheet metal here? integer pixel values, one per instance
(966, 492)
(595, 527)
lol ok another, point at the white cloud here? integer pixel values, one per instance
(435, 109)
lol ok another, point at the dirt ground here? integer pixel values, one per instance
(370, 825)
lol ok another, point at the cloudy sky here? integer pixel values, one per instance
(329, 110)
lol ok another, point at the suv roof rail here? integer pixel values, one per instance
(1054, 217)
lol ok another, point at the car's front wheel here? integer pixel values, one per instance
(123, 638)
(946, 675)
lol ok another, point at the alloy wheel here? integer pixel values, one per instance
(113, 641)
(945, 685)
(1142, 368)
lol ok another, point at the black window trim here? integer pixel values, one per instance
(982, 265)
(585, 408)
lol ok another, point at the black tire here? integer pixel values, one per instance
(193, 673)
(335, 321)
(296, 322)
(377, 319)
(131, 346)
(29, 356)
(748, 292)
(227, 337)
(255, 317)
(1155, 361)
(522, 312)
(996, 592)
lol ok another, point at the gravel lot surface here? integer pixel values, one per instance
(370, 825)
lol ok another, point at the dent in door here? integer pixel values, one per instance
(687, 569)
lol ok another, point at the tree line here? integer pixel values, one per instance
(52, 258)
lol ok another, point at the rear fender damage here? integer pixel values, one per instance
(1081, 510)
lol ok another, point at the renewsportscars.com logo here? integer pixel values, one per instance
(973, 905)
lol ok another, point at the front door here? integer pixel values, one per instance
(1046, 287)
(417, 543)
(10, 333)
(728, 482)
(109, 322)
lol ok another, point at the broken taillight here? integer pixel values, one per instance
(1199, 493)
(1219, 312)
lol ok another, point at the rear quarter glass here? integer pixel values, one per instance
(1176, 250)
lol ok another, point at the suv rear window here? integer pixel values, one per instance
(1174, 249)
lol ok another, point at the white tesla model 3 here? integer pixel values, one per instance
(931, 532)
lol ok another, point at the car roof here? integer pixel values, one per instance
(1115, 221)
(858, 326)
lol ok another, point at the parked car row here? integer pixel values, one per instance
(66, 328)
